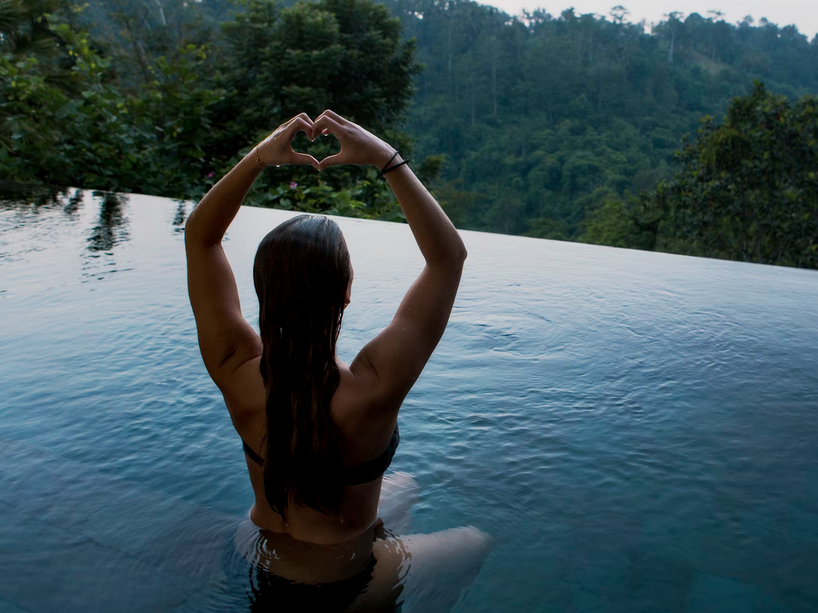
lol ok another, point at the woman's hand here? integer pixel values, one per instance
(277, 149)
(357, 145)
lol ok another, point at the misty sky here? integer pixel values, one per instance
(802, 13)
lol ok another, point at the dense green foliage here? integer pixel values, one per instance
(346, 55)
(545, 119)
(66, 122)
(168, 115)
(559, 127)
(747, 189)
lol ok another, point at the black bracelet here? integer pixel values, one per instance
(383, 172)
(390, 161)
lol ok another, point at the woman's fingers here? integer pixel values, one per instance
(303, 116)
(357, 145)
(305, 158)
(301, 122)
(333, 160)
(333, 115)
(326, 124)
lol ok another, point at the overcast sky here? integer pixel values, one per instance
(802, 13)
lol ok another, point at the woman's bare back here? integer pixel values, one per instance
(310, 546)
(363, 438)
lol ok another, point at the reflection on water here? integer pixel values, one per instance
(36, 205)
(29, 213)
(74, 202)
(17, 195)
(30, 202)
(180, 218)
(112, 228)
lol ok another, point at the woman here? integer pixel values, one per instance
(318, 434)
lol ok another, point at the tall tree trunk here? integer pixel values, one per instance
(471, 95)
(449, 45)
(161, 13)
(494, 61)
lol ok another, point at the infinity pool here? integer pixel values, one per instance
(637, 431)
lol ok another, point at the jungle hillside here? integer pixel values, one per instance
(691, 136)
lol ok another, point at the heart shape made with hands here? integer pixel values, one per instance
(357, 146)
(324, 145)
(278, 148)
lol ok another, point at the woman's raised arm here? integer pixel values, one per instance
(391, 363)
(226, 340)
(209, 220)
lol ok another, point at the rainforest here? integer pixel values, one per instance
(692, 135)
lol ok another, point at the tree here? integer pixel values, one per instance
(676, 26)
(28, 45)
(619, 13)
(56, 113)
(617, 224)
(346, 55)
(747, 189)
(68, 118)
(64, 122)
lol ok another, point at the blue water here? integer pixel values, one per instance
(637, 431)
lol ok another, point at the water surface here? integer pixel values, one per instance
(637, 431)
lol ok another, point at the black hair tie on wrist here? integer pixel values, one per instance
(390, 161)
(383, 172)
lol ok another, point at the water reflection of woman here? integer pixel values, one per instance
(318, 434)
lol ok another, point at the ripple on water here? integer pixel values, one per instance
(636, 431)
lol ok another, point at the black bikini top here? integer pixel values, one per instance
(353, 475)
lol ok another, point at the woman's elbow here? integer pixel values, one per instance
(191, 240)
(196, 236)
(460, 253)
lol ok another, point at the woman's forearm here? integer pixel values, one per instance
(210, 219)
(437, 238)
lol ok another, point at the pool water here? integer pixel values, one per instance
(637, 431)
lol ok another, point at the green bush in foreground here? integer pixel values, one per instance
(64, 122)
(67, 118)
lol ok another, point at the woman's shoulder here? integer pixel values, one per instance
(357, 413)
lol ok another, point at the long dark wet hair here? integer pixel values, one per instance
(301, 273)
